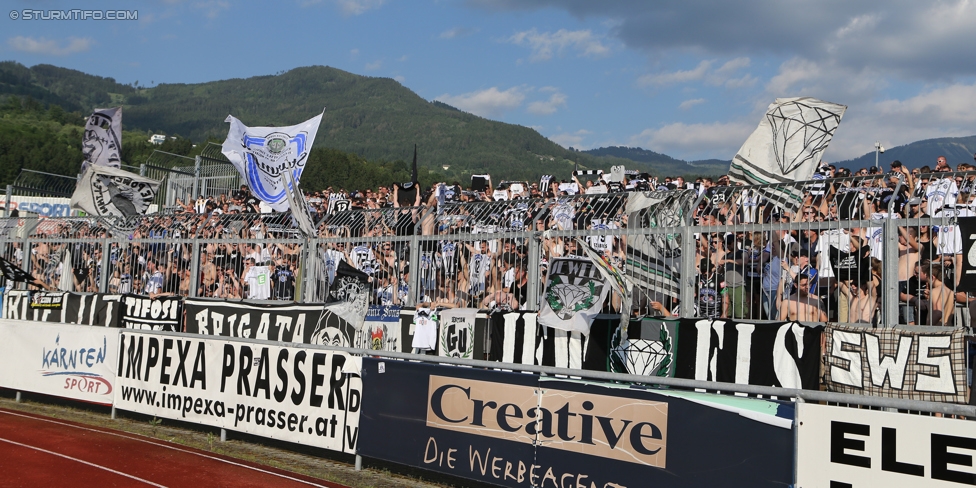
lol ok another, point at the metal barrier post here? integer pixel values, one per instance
(414, 260)
(17, 397)
(195, 268)
(10, 194)
(532, 270)
(890, 301)
(103, 279)
(359, 462)
(223, 435)
(196, 178)
(142, 169)
(687, 271)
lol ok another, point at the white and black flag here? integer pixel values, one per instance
(263, 154)
(109, 192)
(782, 354)
(457, 333)
(348, 295)
(517, 338)
(575, 292)
(786, 147)
(102, 142)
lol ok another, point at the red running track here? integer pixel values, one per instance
(39, 451)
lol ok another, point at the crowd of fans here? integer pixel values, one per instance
(473, 253)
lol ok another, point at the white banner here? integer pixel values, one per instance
(105, 191)
(302, 395)
(851, 448)
(457, 333)
(102, 143)
(69, 361)
(262, 154)
(788, 143)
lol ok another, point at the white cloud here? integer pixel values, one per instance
(696, 141)
(42, 45)
(545, 45)
(549, 106)
(212, 8)
(403, 58)
(354, 53)
(358, 7)
(490, 102)
(571, 139)
(685, 105)
(400, 79)
(375, 65)
(723, 75)
(661, 79)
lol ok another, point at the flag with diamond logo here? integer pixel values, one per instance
(574, 295)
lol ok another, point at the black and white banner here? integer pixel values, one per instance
(517, 338)
(574, 295)
(381, 330)
(920, 363)
(967, 230)
(783, 354)
(101, 144)
(62, 307)
(840, 447)
(349, 295)
(457, 334)
(303, 395)
(649, 350)
(142, 312)
(111, 192)
(285, 323)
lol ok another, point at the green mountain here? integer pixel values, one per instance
(373, 119)
(920, 153)
(663, 164)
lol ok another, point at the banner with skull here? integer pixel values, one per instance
(263, 154)
(574, 295)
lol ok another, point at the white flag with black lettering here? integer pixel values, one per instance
(263, 154)
(110, 192)
(102, 142)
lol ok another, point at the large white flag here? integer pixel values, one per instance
(102, 142)
(263, 154)
(789, 142)
(110, 192)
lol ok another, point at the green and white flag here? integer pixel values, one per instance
(575, 292)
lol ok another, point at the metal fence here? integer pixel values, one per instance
(881, 249)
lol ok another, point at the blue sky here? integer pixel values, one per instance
(690, 79)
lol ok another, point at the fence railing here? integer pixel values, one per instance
(870, 250)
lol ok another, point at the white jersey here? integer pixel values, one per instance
(875, 236)
(478, 267)
(940, 193)
(950, 240)
(602, 243)
(258, 280)
(563, 215)
(424, 330)
(363, 259)
(838, 238)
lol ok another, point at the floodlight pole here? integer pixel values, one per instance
(877, 153)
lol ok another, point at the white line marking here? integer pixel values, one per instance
(110, 470)
(168, 447)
